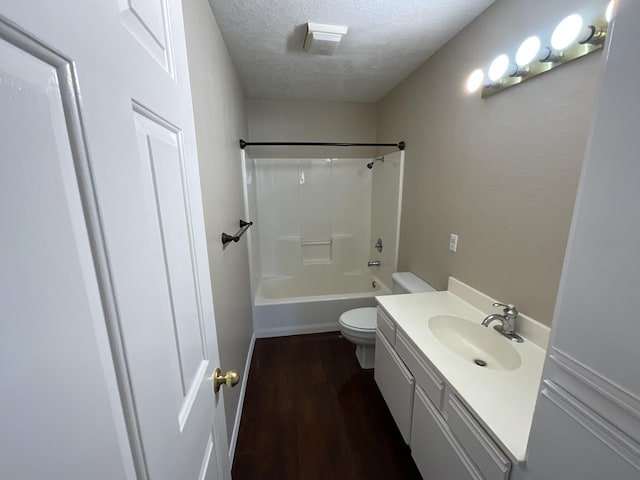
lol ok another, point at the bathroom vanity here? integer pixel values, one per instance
(461, 394)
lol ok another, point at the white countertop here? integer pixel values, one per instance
(503, 401)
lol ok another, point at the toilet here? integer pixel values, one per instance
(359, 325)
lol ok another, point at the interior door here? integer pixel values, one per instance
(107, 336)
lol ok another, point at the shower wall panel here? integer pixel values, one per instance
(279, 212)
(386, 203)
(251, 214)
(351, 212)
(314, 215)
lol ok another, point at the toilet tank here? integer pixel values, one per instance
(407, 282)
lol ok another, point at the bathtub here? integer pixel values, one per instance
(296, 305)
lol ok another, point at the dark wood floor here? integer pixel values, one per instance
(311, 412)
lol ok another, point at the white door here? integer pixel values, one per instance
(107, 333)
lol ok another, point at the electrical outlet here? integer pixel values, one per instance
(453, 243)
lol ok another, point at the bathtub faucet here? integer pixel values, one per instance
(373, 263)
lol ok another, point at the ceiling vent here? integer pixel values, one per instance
(323, 39)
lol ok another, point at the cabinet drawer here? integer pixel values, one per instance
(491, 461)
(424, 374)
(396, 385)
(437, 453)
(386, 326)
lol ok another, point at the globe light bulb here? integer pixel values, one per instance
(566, 32)
(608, 15)
(498, 67)
(528, 51)
(475, 80)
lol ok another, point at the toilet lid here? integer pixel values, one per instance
(360, 318)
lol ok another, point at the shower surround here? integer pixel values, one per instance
(313, 237)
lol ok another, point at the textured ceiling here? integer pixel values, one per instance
(387, 40)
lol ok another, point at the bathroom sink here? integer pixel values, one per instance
(475, 343)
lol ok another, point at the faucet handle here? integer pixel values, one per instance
(509, 308)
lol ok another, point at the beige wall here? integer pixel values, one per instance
(307, 121)
(220, 119)
(502, 173)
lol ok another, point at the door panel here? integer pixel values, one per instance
(208, 471)
(160, 144)
(147, 22)
(60, 408)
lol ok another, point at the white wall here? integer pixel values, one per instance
(502, 172)
(220, 120)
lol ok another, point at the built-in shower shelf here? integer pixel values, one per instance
(316, 251)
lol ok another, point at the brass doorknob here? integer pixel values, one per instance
(229, 379)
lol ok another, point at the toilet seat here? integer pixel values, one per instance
(360, 319)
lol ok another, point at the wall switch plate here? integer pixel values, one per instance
(453, 243)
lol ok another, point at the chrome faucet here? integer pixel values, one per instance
(507, 320)
(373, 263)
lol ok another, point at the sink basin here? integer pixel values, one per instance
(471, 341)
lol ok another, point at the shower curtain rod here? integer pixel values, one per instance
(243, 144)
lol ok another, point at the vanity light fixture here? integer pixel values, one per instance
(572, 38)
(594, 35)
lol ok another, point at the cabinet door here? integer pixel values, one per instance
(422, 370)
(396, 385)
(435, 450)
(486, 455)
(386, 326)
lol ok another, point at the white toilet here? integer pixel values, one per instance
(359, 325)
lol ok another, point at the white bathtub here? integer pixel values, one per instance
(296, 305)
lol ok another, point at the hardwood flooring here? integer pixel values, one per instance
(311, 412)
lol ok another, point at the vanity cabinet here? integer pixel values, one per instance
(424, 373)
(446, 441)
(485, 454)
(395, 383)
(386, 327)
(436, 451)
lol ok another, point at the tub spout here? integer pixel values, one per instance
(373, 263)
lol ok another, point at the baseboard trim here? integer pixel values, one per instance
(243, 390)
(297, 330)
